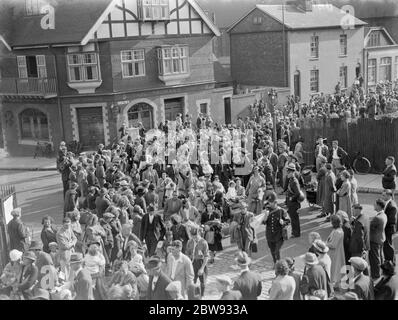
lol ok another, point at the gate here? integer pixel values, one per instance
(8, 201)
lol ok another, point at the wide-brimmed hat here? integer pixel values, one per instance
(310, 259)
(291, 167)
(243, 259)
(76, 258)
(154, 263)
(320, 246)
(15, 255)
(30, 255)
(36, 245)
(358, 263)
(224, 279)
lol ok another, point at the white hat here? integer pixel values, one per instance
(15, 255)
(174, 286)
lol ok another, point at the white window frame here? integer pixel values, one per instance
(40, 65)
(82, 65)
(372, 71)
(314, 47)
(343, 45)
(133, 61)
(155, 10)
(173, 56)
(343, 76)
(385, 65)
(312, 80)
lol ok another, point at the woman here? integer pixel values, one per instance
(299, 151)
(189, 213)
(137, 267)
(48, 233)
(335, 242)
(254, 186)
(354, 188)
(222, 206)
(124, 279)
(283, 286)
(344, 194)
(211, 219)
(240, 190)
(387, 287)
(320, 177)
(347, 234)
(323, 258)
(94, 263)
(312, 237)
(77, 229)
(11, 273)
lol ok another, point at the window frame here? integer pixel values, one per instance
(133, 61)
(374, 39)
(385, 65)
(41, 67)
(82, 65)
(343, 45)
(167, 59)
(35, 125)
(312, 80)
(343, 82)
(314, 47)
(154, 7)
(373, 67)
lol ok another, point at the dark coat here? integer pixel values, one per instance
(359, 241)
(18, 234)
(249, 285)
(389, 175)
(126, 255)
(391, 213)
(70, 200)
(317, 278)
(159, 228)
(387, 289)
(160, 292)
(231, 295)
(28, 279)
(47, 237)
(363, 287)
(273, 228)
(341, 153)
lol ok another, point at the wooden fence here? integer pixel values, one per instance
(8, 201)
(374, 139)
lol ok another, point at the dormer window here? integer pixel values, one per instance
(154, 10)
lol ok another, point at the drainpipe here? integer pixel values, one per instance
(61, 116)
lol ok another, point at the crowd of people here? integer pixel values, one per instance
(144, 218)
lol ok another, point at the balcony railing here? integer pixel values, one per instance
(42, 87)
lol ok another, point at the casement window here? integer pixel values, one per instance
(314, 81)
(173, 60)
(343, 77)
(204, 108)
(374, 39)
(33, 125)
(83, 67)
(315, 47)
(385, 69)
(372, 71)
(32, 67)
(154, 10)
(133, 63)
(343, 45)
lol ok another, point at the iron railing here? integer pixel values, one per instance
(44, 87)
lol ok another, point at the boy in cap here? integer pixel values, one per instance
(248, 283)
(363, 285)
(158, 280)
(29, 275)
(83, 283)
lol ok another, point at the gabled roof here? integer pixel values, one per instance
(369, 30)
(293, 17)
(5, 43)
(75, 23)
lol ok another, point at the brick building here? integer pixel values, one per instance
(106, 62)
(301, 45)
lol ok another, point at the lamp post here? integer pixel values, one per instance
(273, 100)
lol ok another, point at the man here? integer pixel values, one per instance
(63, 166)
(387, 287)
(127, 236)
(102, 202)
(71, 197)
(172, 206)
(149, 174)
(329, 192)
(158, 280)
(391, 212)
(292, 199)
(248, 283)
(359, 242)
(179, 267)
(377, 237)
(337, 156)
(315, 277)
(224, 286)
(42, 259)
(83, 283)
(152, 231)
(363, 285)
(29, 275)
(320, 150)
(66, 240)
(246, 233)
(389, 175)
(198, 250)
(17, 232)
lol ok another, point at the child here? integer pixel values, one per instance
(231, 194)
(100, 173)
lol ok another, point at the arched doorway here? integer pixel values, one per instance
(140, 112)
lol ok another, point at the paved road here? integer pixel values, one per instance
(40, 194)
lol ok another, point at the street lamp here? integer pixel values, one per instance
(273, 101)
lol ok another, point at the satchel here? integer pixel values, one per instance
(209, 237)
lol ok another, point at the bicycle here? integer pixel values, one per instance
(360, 164)
(44, 149)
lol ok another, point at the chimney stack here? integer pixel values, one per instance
(305, 5)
